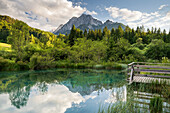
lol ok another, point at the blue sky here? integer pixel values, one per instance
(155, 9)
(49, 14)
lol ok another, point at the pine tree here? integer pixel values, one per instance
(132, 35)
(100, 34)
(164, 36)
(81, 34)
(89, 34)
(119, 33)
(159, 31)
(148, 31)
(168, 38)
(155, 31)
(112, 32)
(92, 35)
(72, 36)
(85, 33)
(105, 31)
(126, 34)
(78, 33)
(138, 30)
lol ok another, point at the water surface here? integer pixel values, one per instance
(60, 90)
(73, 91)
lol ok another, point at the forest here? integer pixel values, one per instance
(33, 49)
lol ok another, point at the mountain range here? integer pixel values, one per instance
(86, 22)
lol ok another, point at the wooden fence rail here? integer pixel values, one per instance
(141, 70)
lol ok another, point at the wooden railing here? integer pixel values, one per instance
(144, 69)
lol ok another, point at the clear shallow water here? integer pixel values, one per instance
(59, 91)
(68, 91)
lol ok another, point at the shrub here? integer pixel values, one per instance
(165, 60)
(41, 62)
(157, 49)
(23, 65)
(8, 65)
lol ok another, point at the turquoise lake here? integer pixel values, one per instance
(61, 90)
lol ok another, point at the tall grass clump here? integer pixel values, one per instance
(156, 105)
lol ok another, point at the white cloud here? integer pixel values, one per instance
(124, 14)
(167, 17)
(91, 12)
(57, 100)
(80, 4)
(162, 6)
(118, 94)
(42, 14)
(137, 18)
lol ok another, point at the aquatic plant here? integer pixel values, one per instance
(156, 105)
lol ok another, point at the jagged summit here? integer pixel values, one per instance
(108, 22)
(85, 22)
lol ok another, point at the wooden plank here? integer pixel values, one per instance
(150, 66)
(146, 97)
(139, 102)
(131, 64)
(153, 71)
(140, 79)
(145, 94)
(145, 103)
(151, 63)
(154, 76)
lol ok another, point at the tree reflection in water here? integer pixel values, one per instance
(19, 96)
(82, 81)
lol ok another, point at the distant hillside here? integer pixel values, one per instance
(86, 22)
(7, 26)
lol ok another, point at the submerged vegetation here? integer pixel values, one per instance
(30, 48)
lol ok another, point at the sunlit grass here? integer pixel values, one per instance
(5, 47)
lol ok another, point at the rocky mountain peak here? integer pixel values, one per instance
(84, 22)
(108, 22)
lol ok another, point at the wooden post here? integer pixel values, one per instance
(131, 74)
(138, 69)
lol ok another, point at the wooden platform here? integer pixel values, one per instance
(140, 79)
(148, 72)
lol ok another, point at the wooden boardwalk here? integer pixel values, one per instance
(149, 80)
(148, 72)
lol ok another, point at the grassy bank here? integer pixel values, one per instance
(11, 65)
(91, 65)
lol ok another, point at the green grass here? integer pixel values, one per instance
(5, 47)
(156, 105)
(91, 65)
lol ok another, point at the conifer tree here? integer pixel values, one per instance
(112, 32)
(72, 36)
(85, 33)
(164, 35)
(100, 34)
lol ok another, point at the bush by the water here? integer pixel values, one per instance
(10, 65)
(41, 62)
